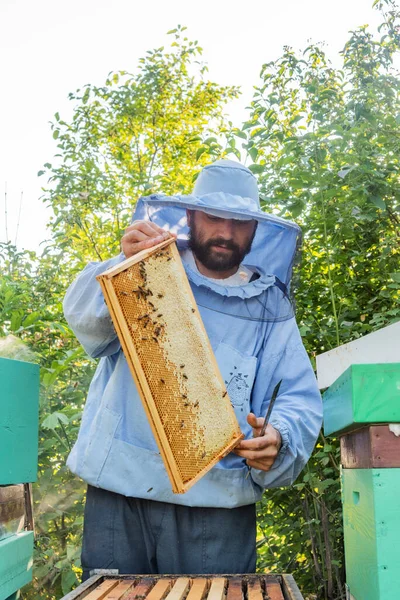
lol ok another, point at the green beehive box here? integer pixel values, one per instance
(371, 508)
(15, 563)
(363, 394)
(19, 421)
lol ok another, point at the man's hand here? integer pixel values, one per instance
(260, 452)
(141, 235)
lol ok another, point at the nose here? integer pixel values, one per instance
(225, 229)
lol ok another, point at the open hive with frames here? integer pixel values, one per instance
(171, 360)
(187, 587)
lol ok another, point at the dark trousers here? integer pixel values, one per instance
(146, 537)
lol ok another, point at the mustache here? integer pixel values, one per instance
(229, 244)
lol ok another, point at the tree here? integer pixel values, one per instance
(138, 134)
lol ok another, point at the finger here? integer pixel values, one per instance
(148, 227)
(133, 248)
(262, 466)
(265, 453)
(271, 437)
(255, 422)
(257, 443)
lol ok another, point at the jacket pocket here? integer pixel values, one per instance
(101, 436)
(238, 372)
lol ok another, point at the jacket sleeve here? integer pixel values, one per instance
(87, 313)
(297, 413)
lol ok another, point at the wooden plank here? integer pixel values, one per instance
(273, 589)
(235, 589)
(179, 589)
(12, 510)
(102, 590)
(254, 589)
(141, 590)
(290, 588)
(378, 347)
(160, 590)
(120, 590)
(199, 589)
(371, 447)
(217, 589)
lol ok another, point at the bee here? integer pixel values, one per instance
(224, 394)
(145, 337)
(143, 317)
(196, 403)
(182, 424)
(186, 404)
(155, 339)
(124, 294)
(152, 305)
(157, 331)
(162, 380)
(160, 296)
(169, 258)
(160, 315)
(203, 455)
(182, 366)
(184, 375)
(184, 396)
(193, 310)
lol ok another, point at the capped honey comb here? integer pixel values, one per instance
(171, 360)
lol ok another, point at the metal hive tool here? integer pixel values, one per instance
(172, 362)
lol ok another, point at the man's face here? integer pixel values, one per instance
(219, 244)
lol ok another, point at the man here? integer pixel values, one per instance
(238, 261)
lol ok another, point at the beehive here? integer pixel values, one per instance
(172, 362)
(188, 587)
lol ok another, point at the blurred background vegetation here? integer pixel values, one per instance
(324, 144)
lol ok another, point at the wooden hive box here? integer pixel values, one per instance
(363, 394)
(372, 447)
(171, 360)
(19, 389)
(19, 421)
(187, 587)
(371, 508)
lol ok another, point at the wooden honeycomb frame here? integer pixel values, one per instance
(171, 360)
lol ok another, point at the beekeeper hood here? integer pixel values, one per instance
(229, 190)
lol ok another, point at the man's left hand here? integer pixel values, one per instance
(260, 452)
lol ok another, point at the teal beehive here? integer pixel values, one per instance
(19, 421)
(19, 405)
(363, 394)
(371, 508)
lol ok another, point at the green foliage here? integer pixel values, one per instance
(136, 135)
(324, 144)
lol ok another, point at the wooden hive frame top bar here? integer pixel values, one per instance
(171, 360)
(188, 587)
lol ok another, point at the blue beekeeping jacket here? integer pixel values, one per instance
(255, 339)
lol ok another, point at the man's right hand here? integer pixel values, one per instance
(141, 235)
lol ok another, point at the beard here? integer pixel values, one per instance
(210, 257)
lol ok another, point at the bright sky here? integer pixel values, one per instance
(51, 47)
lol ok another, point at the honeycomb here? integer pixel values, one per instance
(170, 356)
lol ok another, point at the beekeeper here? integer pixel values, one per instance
(239, 262)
